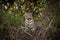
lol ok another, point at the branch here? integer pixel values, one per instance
(48, 26)
(28, 33)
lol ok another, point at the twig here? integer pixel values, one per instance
(48, 26)
(45, 30)
(27, 33)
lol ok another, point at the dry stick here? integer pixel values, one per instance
(27, 33)
(48, 27)
(45, 30)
